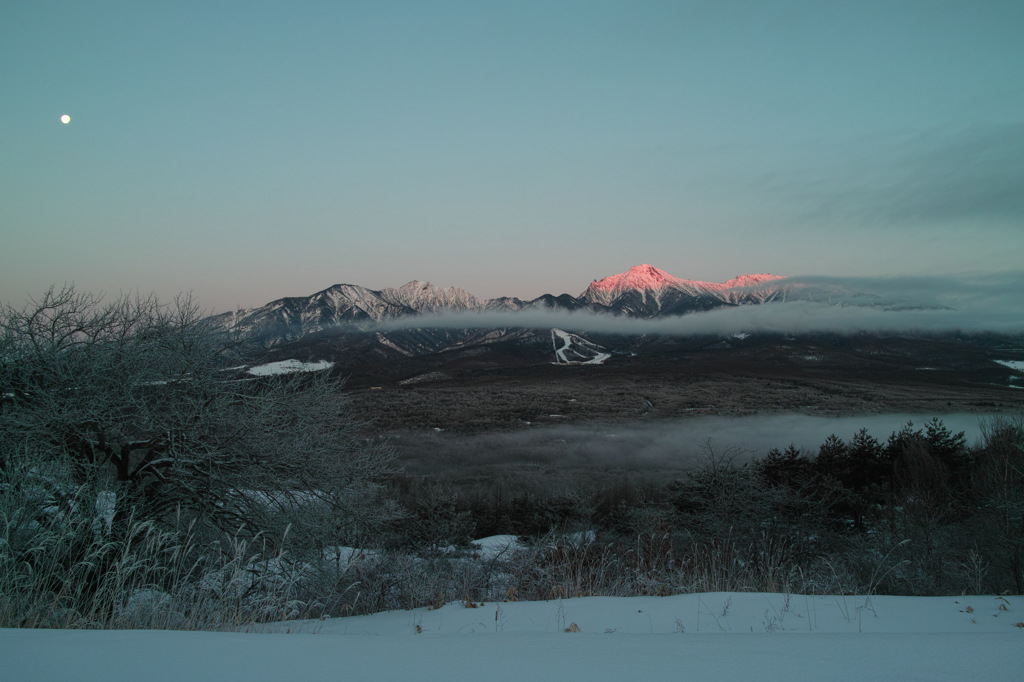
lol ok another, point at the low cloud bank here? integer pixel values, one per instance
(659, 446)
(989, 303)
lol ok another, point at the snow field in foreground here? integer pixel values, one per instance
(739, 636)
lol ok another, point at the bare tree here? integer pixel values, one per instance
(999, 485)
(139, 398)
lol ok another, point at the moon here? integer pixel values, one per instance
(65, 119)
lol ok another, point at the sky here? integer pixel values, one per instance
(246, 151)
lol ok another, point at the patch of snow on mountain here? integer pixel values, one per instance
(385, 341)
(578, 347)
(1012, 364)
(289, 367)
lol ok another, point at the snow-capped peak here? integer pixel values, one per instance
(648, 277)
(644, 276)
(652, 284)
(742, 281)
(424, 296)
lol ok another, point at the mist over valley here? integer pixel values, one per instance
(550, 457)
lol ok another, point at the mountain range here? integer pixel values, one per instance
(643, 291)
(402, 337)
(398, 333)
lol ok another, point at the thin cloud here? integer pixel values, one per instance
(973, 175)
(976, 174)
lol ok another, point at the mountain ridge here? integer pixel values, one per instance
(642, 291)
(647, 290)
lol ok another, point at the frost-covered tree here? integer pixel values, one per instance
(136, 399)
(999, 487)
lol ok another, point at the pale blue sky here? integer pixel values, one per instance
(252, 150)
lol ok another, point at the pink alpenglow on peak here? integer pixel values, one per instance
(637, 277)
(743, 281)
(649, 278)
(652, 285)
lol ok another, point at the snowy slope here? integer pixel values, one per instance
(571, 349)
(719, 636)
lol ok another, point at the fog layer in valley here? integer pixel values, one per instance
(563, 454)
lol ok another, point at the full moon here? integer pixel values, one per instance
(65, 119)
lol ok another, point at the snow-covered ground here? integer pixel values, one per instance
(288, 367)
(1013, 364)
(719, 636)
